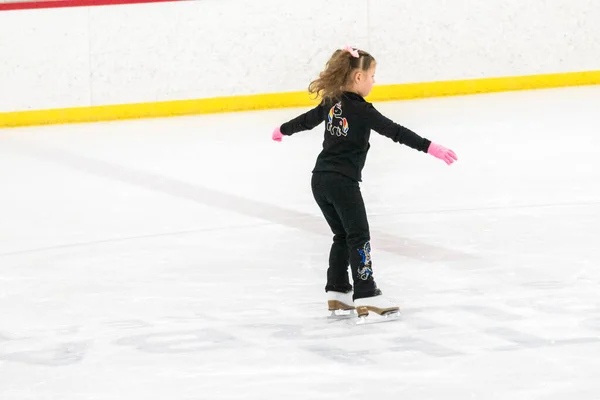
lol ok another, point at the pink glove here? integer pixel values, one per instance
(277, 135)
(442, 153)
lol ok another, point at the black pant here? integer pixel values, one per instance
(341, 202)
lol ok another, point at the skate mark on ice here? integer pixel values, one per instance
(422, 324)
(522, 340)
(331, 330)
(341, 355)
(499, 207)
(545, 285)
(394, 244)
(180, 341)
(128, 324)
(412, 344)
(127, 238)
(62, 355)
(591, 323)
(490, 312)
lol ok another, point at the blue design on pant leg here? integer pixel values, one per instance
(365, 253)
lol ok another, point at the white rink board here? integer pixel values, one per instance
(201, 49)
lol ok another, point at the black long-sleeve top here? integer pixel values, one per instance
(348, 125)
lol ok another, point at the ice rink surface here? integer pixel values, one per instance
(185, 258)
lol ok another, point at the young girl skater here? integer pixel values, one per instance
(347, 79)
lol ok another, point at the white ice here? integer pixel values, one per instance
(185, 258)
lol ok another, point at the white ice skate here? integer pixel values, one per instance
(340, 304)
(377, 304)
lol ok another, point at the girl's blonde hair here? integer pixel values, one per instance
(332, 81)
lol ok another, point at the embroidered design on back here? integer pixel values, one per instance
(337, 125)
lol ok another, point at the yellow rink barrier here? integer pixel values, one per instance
(291, 99)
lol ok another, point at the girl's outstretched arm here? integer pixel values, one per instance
(401, 134)
(303, 122)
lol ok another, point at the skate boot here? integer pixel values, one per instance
(340, 303)
(377, 304)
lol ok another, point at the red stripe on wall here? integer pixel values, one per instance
(72, 3)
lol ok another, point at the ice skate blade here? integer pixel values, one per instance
(342, 314)
(376, 318)
(364, 310)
